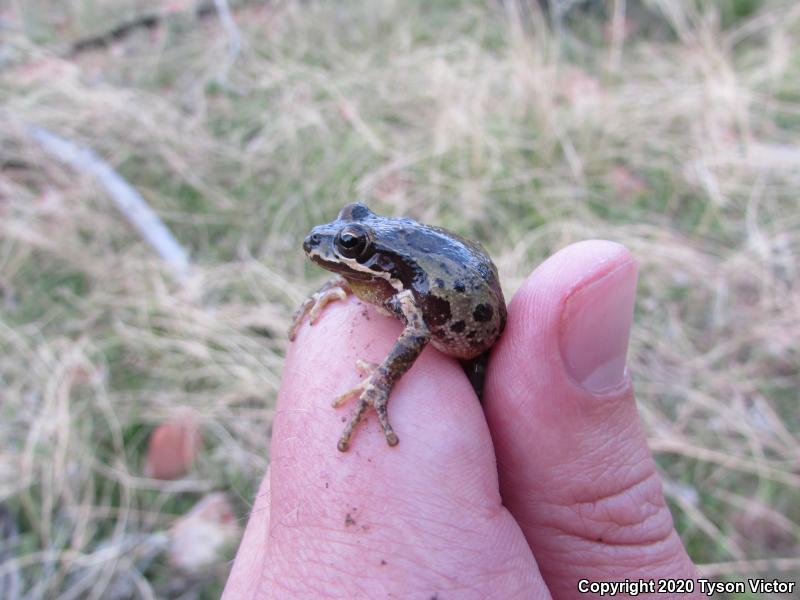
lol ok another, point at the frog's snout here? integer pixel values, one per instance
(312, 241)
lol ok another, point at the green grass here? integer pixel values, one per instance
(462, 114)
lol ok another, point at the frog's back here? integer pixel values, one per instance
(457, 286)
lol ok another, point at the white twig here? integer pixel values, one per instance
(617, 36)
(128, 200)
(233, 33)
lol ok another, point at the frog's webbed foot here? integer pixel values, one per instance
(335, 288)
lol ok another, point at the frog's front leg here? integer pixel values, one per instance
(336, 288)
(375, 389)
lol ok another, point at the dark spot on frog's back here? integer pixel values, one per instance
(482, 313)
(459, 286)
(458, 326)
(439, 283)
(436, 310)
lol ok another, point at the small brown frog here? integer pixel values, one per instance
(443, 287)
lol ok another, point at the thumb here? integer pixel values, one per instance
(575, 469)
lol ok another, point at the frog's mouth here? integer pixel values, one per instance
(340, 266)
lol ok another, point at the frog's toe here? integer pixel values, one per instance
(365, 368)
(334, 289)
(358, 415)
(299, 317)
(344, 397)
(380, 402)
(322, 299)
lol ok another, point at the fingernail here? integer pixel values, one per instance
(595, 327)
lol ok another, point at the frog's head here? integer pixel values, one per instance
(346, 245)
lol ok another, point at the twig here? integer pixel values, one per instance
(148, 20)
(130, 202)
(9, 538)
(617, 36)
(234, 36)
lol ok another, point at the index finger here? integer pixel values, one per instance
(424, 516)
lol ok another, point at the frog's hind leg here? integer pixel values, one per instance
(475, 370)
(376, 388)
(335, 288)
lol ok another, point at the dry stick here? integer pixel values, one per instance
(128, 200)
(153, 19)
(234, 36)
(10, 583)
(617, 36)
(147, 20)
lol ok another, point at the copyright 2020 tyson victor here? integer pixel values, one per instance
(634, 587)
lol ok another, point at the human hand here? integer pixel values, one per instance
(549, 483)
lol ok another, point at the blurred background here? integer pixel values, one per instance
(137, 388)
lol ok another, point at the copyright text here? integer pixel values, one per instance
(634, 587)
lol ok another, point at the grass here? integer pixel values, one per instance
(677, 137)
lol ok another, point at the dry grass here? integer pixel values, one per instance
(680, 138)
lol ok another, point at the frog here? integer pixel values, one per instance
(444, 288)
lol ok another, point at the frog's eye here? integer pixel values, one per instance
(352, 241)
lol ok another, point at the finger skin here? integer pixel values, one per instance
(415, 520)
(574, 466)
(252, 549)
